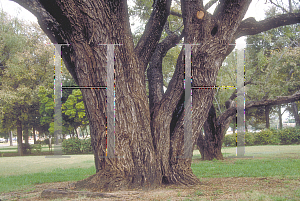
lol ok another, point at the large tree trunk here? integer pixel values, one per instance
(19, 137)
(295, 113)
(145, 156)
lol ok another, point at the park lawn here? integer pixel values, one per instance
(24, 172)
(9, 149)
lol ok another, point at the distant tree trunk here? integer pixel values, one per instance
(10, 139)
(267, 113)
(76, 133)
(295, 113)
(19, 137)
(280, 117)
(26, 135)
(34, 136)
(210, 144)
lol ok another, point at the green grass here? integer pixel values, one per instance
(20, 165)
(247, 168)
(269, 160)
(276, 161)
(15, 182)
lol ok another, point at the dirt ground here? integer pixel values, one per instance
(239, 188)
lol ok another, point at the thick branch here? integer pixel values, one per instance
(153, 31)
(249, 104)
(154, 72)
(277, 101)
(251, 27)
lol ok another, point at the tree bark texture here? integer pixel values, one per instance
(148, 139)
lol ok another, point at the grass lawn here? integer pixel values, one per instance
(282, 161)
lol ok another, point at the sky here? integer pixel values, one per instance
(257, 9)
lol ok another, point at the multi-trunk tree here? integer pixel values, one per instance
(148, 150)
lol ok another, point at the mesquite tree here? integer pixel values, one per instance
(148, 148)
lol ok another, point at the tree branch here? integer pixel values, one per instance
(251, 27)
(154, 72)
(250, 104)
(153, 31)
(277, 101)
(209, 4)
(282, 8)
(175, 13)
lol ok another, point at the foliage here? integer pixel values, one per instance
(74, 111)
(26, 148)
(266, 136)
(249, 139)
(86, 146)
(229, 140)
(76, 146)
(286, 136)
(289, 135)
(26, 64)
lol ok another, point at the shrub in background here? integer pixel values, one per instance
(26, 148)
(71, 146)
(86, 146)
(289, 135)
(76, 146)
(230, 140)
(265, 137)
(249, 139)
(36, 148)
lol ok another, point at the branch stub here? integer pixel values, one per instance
(200, 14)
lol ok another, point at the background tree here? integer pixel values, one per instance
(27, 64)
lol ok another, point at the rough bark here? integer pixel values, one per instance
(146, 155)
(19, 137)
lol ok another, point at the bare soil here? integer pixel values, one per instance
(239, 188)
